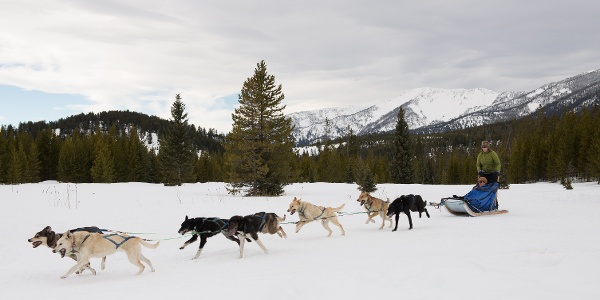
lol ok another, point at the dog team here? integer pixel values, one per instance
(84, 243)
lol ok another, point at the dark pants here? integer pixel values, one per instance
(491, 177)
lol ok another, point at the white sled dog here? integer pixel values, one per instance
(89, 245)
(308, 212)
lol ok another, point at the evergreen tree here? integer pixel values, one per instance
(103, 167)
(75, 159)
(15, 164)
(3, 156)
(364, 178)
(48, 146)
(135, 156)
(177, 153)
(33, 160)
(259, 149)
(401, 168)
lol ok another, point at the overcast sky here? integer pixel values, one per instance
(63, 57)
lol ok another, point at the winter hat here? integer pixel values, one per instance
(485, 144)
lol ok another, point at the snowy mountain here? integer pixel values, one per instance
(430, 110)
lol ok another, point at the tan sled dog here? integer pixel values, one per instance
(89, 245)
(374, 207)
(308, 212)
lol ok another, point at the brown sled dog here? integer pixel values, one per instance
(308, 212)
(89, 245)
(374, 207)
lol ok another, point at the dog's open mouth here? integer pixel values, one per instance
(61, 251)
(362, 202)
(36, 244)
(292, 211)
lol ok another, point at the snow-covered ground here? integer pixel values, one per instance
(547, 247)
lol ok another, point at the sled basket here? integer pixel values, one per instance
(478, 202)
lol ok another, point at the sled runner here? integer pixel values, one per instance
(481, 201)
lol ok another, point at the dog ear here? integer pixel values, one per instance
(48, 228)
(186, 217)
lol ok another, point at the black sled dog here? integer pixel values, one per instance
(405, 204)
(205, 228)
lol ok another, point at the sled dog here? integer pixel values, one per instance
(308, 212)
(89, 245)
(205, 228)
(374, 207)
(48, 238)
(405, 204)
(248, 227)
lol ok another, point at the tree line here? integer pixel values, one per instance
(258, 158)
(539, 147)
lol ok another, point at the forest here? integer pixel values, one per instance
(120, 146)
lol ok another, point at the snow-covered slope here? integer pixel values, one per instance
(436, 110)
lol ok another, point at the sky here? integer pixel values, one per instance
(545, 247)
(64, 57)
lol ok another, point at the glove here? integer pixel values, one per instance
(480, 173)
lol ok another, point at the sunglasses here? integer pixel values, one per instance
(483, 147)
(481, 181)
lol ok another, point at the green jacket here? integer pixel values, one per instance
(488, 162)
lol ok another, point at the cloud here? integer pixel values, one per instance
(138, 54)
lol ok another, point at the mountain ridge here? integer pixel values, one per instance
(432, 110)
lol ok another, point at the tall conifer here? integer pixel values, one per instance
(259, 147)
(177, 153)
(401, 168)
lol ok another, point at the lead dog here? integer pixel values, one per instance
(205, 228)
(249, 227)
(48, 238)
(405, 204)
(89, 245)
(308, 212)
(374, 207)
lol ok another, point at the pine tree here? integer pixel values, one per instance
(135, 156)
(103, 167)
(401, 167)
(364, 177)
(3, 156)
(75, 159)
(259, 149)
(48, 146)
(177, 153)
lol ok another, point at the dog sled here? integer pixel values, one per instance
(481, 201)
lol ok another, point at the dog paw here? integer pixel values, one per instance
(181, 248)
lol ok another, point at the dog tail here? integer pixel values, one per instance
(339, 207)
(280, 219)
(148, 245)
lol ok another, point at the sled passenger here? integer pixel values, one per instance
(488, 163)
(481, 182)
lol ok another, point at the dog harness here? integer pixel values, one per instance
(262, 222)
(117, 245)
(73, 243)
(218, 221)
(303, 208)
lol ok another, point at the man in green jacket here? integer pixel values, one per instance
(488, 163)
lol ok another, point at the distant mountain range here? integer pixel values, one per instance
(430, 110)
